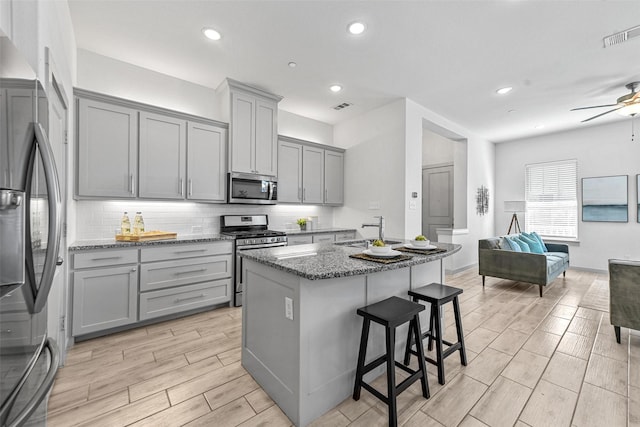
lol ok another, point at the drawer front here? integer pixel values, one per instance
(165, 274)
(319, 238)
(345, 235)
(105, 258)
(175, 300)
(299, 240)
(172, 252)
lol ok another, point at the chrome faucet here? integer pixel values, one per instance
(380, 226)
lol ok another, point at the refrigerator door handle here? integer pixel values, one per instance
(55, 218)
(44, 388)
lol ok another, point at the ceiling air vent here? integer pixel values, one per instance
(621, 37)
(342, 106)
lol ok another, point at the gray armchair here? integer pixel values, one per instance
(624, 295)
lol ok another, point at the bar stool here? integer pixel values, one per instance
(436, 295)
(390, 313)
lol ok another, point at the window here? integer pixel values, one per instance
(552, 201)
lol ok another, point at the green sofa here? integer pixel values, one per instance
(539, 269)
(624, 295)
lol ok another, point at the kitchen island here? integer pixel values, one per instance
(300, 331)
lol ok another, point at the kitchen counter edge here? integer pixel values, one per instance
(336, 261)
(85, 245)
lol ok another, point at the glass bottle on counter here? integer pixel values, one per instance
(125, 225)
(138, 224)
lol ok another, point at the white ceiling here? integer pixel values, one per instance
(449, 56)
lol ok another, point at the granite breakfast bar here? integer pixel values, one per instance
(300, 331)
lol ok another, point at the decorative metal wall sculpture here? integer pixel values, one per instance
(482, 200)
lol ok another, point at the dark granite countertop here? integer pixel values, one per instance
(326, 260)
(83, 245)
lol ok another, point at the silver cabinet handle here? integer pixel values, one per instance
(133, 185)
(325, 195)
(105, 258)
(300, 193)
(200, 270)
(304, 194)
(190, 187)
(190, 250)
(133, 270)
(181, 187)
(188, 298)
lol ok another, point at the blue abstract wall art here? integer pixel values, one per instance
(605, 199)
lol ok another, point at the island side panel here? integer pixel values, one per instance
(330, 332)
(270, 341)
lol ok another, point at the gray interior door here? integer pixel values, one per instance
(437, 200)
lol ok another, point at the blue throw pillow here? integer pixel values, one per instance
(523, 245)
(506, 245)
(533, 243)
(537, 236)
(515, 247)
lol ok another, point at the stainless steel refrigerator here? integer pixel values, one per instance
(30, 226)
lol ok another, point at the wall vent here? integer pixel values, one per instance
(621, 37)
(343, 105)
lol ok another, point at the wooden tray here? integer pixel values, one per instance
(421, 251)
(146, 236)
(381, 260)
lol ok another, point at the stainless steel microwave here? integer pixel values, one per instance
(252, 189)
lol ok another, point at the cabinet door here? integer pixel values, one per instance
(162, 156)
(320, 238)
(104, 298)
(206, 162)
(266, 148)
(299, 240)
(107, 150)
(313, 175)
(242, 133)
(289, 172)
(333, 177)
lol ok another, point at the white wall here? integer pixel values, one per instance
(436, 149)
(479, 161)
(374, 173)
(295, 126)
(600, 151)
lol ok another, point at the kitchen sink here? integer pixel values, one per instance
(365, 243)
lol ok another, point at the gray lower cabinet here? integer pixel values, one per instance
(104, 298)
(178, 278)
(113, 288)
(299, 240)
(324, 237)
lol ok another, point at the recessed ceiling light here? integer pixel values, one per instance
(538, 126)
(356, 28)
(211, 34)
(292, 64)
(335, 88)
(504, 90)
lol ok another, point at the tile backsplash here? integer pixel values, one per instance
(101, 219)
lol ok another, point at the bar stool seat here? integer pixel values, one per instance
(437, 294)
(390, 313)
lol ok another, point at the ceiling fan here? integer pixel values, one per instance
(628, 105)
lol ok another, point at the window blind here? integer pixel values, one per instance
(552, 198)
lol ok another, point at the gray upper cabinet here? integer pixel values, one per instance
(289, 172)
(333, 177)
(309, 172)
(107, 150)
(128, 149)
(206, 162)
(162, 156)
(313, 175)
(253, 126)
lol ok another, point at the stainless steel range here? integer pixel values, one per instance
(251, 232)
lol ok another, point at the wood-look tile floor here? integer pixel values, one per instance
(532, 361)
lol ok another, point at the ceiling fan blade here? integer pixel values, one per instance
(593, 106)
(606, 112)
